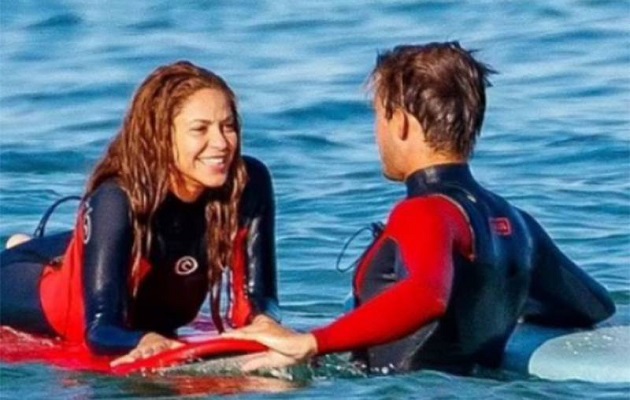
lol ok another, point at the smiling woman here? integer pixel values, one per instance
(205, 140)
(171, 210)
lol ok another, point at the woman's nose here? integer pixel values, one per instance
(217, 139)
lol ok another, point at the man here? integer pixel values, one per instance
(456, 266)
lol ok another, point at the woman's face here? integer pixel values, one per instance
(204, 142)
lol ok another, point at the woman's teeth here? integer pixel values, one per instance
(213, 160)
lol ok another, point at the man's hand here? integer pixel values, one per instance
(286, 347)
(150, 344)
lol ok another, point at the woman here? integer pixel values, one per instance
(171, 212)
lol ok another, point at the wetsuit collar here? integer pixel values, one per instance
(420, 181)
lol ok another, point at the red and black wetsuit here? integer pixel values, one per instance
(454, 269)
(87, 296)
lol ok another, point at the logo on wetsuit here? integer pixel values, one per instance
(87, 224)
(501, 226)
(186, 266)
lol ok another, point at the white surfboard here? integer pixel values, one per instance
(597, 355)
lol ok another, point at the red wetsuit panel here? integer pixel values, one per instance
(241, 312)
(61, 291)
(427, 232)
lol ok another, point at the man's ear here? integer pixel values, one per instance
(399, 124)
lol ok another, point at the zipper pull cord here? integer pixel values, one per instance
(376, 228)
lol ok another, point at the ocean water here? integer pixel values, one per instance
(556, 142)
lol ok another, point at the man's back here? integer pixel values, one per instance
(490, 284)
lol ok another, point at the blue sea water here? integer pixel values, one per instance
(556, 141)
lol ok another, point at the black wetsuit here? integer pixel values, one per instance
(449, 277)
(173, 290)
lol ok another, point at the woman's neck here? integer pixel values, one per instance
(188, 192)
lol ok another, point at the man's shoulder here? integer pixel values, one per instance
(421, 204)
(425, 210)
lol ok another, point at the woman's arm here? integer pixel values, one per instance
(259, 210)
(108, 238)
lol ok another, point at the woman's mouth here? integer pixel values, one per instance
(214, 162)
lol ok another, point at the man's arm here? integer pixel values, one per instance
(426, 232)
(562, 294)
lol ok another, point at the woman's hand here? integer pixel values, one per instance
(150, 344)
(286, 347)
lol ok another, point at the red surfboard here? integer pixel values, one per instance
(19, 347)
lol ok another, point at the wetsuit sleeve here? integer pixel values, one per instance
(425, 232)
(107, 265)
(261, 253)
(562, 294)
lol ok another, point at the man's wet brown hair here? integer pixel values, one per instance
(441, 85)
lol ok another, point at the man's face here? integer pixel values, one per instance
(386, 141)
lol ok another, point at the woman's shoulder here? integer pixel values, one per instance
(258, 176)
(109, 193)
(258, 194)
(256, 169)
